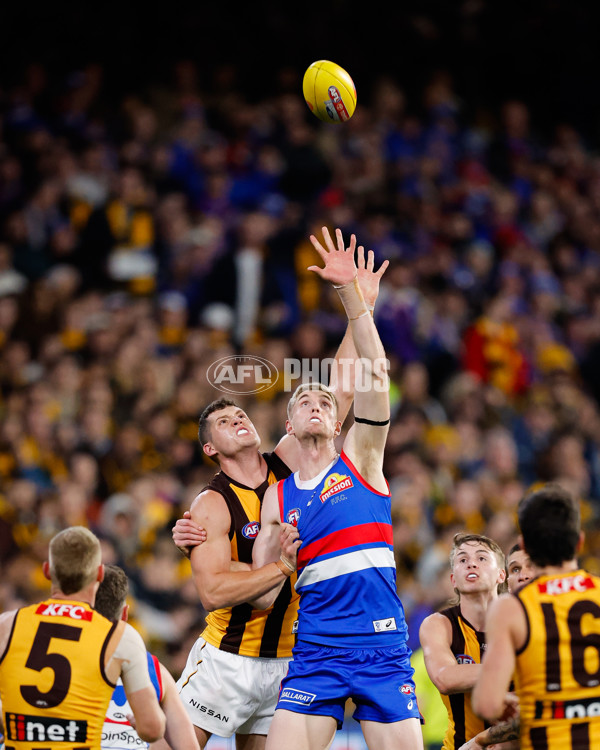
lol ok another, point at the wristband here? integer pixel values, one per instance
(284, 567)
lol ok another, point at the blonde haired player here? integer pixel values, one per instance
(60, 660)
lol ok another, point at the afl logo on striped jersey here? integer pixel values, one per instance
(293, 516)
(250, 530)
(465, 659)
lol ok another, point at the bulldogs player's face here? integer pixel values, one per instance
(315, 415)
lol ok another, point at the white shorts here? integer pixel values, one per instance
(228, 694)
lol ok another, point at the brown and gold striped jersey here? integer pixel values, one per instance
(557, 676)
(467, 646)
(242, 629)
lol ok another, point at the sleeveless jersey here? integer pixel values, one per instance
(242, 629)
(557, 675)
(468, 646)
(53, 687)
(346, 565)
(117, 732)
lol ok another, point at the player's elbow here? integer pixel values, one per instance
(444, 685)
(152, 727)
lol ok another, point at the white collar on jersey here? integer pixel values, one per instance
(310, 484)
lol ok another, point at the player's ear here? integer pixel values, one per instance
(125, 613)
(501, 575)
(209, 449)
(338, 428)
(580, 542)
(46, 569)
(288, 427)
(100, 577)
(520, 542)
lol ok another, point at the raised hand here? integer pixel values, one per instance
(368, 278)
(340, 268)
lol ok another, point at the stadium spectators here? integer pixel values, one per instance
(141, 242)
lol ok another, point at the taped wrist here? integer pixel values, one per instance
(352, 299)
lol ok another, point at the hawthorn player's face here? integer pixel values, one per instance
(231, 430)
(520, 570)
(475, 569)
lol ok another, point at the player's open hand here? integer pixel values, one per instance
(290, 541)
(187, 534)
(340, 267)
(368, 278)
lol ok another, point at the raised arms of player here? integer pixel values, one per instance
(365, 442)
(505, 632)
(342, 377)
(449, 677)
(217, 585)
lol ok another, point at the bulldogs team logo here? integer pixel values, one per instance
(333, 484)
(250, 530)
(293, 516)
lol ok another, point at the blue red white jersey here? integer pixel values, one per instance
(346, 565)
(117, 732)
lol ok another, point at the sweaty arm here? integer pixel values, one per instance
(505, 632)
(129, 662)
(217, 585)
(179, 733)
(449, 677)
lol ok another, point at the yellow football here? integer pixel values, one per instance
(329, 92)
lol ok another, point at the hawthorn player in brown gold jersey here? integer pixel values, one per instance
(60, 660)
(453, 640)
(231, 680)
(547, 634)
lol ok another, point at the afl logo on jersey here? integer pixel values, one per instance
(250, 530)
(333, 484)
(465, 659)
(293, 516)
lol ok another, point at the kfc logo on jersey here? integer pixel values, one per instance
(556, 586)
(335, 483)
(74, 611)
(250, 530)
(465, 659)
(293, 516)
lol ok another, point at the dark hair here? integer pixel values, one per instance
(550, 525)
(203, 426)
(515, 548)
(112, 593)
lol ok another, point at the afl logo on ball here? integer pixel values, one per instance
(293, 516)
(250, 530)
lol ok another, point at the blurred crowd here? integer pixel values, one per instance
(144, 236)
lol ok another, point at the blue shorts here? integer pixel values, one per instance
(320, 680)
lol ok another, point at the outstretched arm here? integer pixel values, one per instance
(365, 442)
(342, 372)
